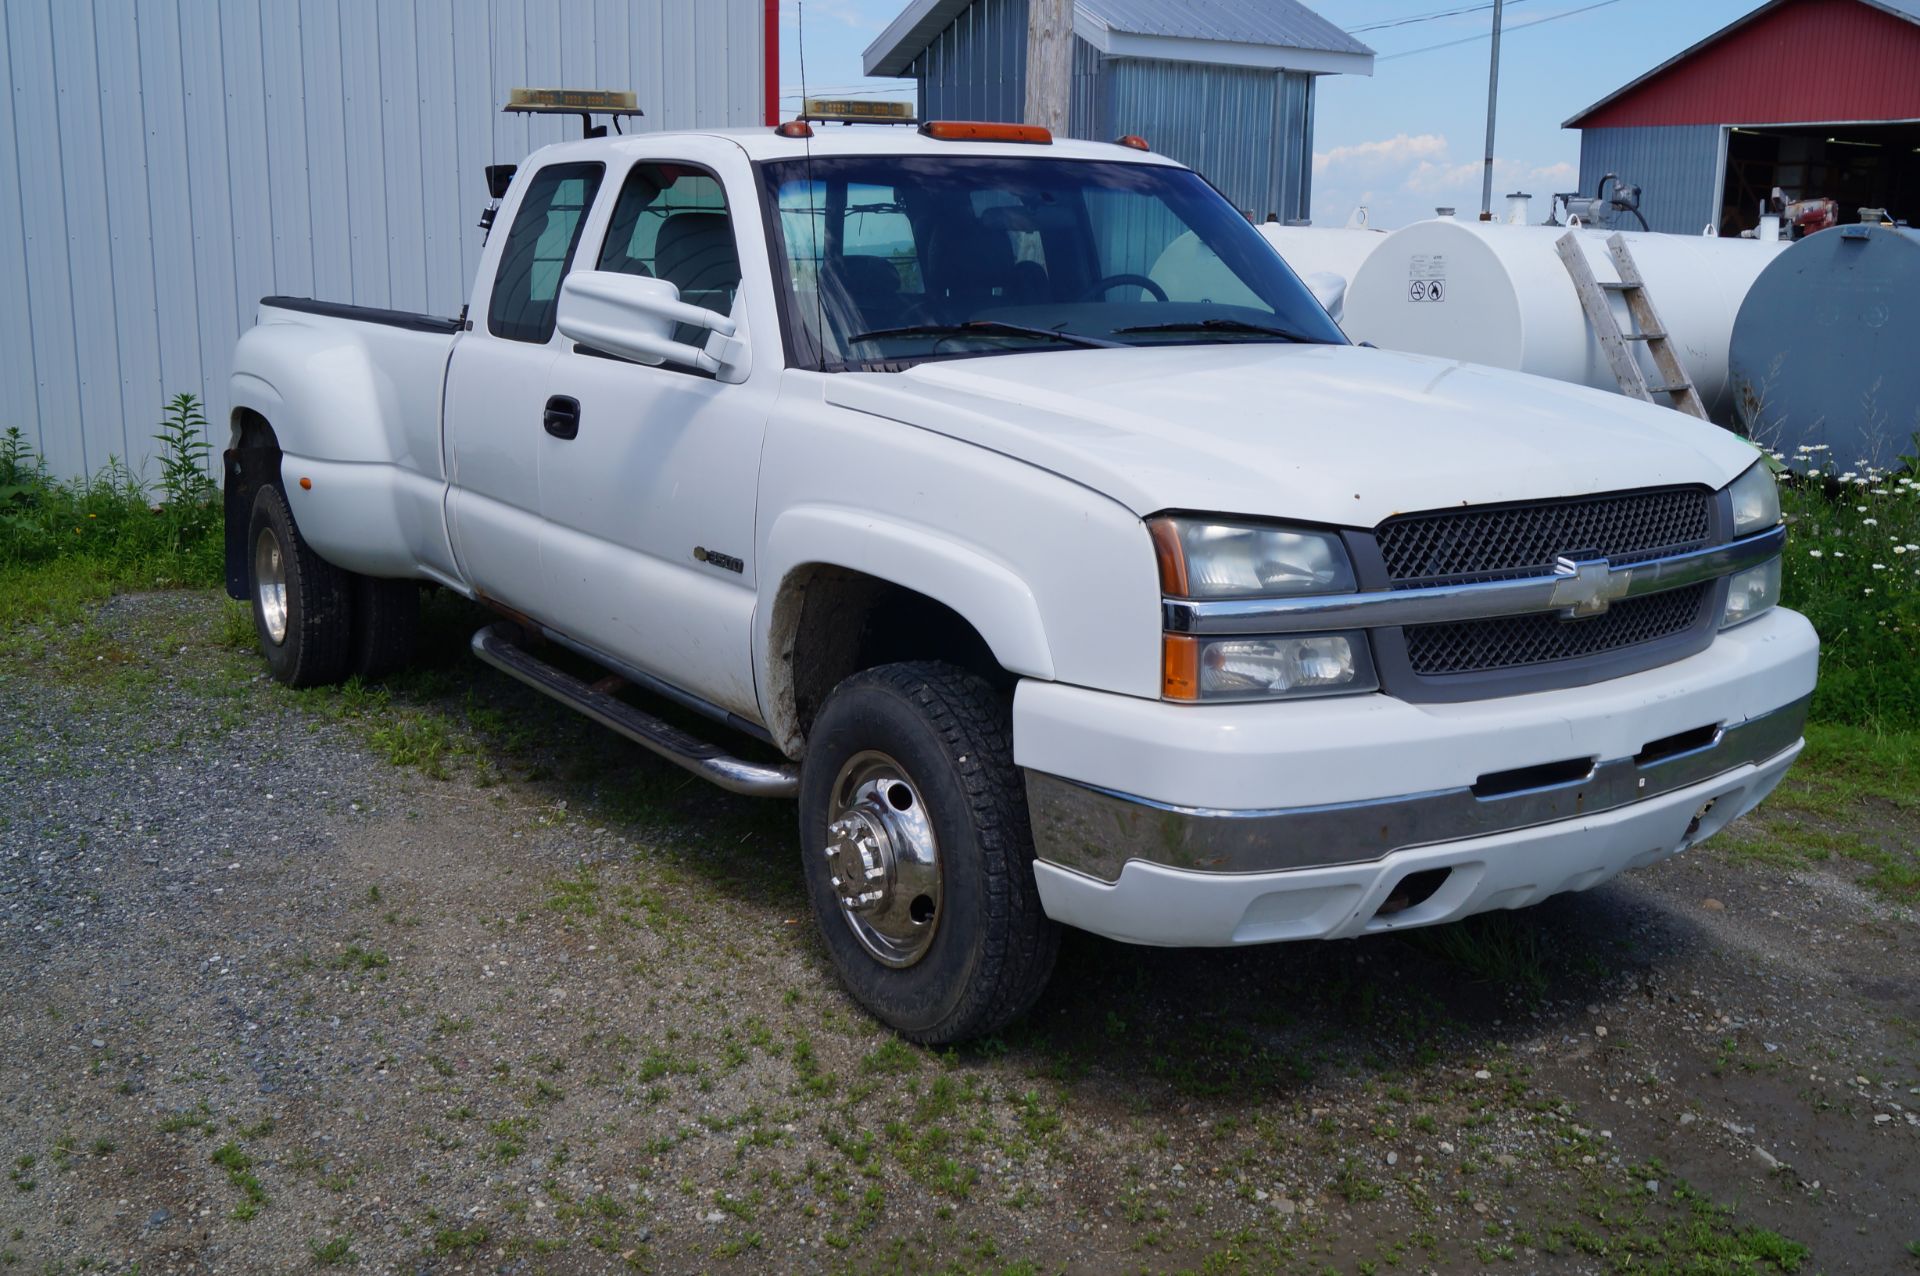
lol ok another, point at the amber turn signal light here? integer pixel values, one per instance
(1179, 667)
(1170, 556)
(972, 131)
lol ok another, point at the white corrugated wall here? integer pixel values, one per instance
(166, 163)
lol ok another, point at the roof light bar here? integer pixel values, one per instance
(856, 111)
(975, 131)
(571, 102)
(585, 103)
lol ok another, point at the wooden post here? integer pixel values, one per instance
(1049, 63)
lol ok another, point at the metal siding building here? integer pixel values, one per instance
(1674, 164)
(166, 163)
(1224, 86)
(1759, 96)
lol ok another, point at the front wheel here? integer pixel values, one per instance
(919, 862)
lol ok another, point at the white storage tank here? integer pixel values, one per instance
(1495, 294)
(1327, 250)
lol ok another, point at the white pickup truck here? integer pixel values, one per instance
(1078, 581)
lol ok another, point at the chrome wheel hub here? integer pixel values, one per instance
(883, 860)
(270, 585)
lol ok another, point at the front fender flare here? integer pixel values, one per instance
(986, 592)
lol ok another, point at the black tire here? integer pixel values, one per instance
(315, 638)
(386, 622)
(992, 946)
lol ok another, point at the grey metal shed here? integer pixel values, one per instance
(1224, 86)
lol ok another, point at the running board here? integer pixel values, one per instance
(496, 645)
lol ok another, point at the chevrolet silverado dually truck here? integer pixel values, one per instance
(1064, 580)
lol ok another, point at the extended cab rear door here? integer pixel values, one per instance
(496, 383)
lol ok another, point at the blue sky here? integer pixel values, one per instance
(1410, 137)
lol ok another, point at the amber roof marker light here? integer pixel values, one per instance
(1133, 140)
(978, 131)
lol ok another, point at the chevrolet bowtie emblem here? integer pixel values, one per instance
(1586, 586)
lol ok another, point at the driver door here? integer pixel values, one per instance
(647, 500)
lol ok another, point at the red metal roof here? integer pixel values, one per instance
(1787, 62)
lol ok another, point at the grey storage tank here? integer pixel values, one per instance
(1825, 358)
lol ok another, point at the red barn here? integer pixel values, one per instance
(1820, 98)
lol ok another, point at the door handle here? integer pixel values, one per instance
(563, 417)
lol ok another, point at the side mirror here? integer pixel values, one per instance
(634, 316)
(1329, 289)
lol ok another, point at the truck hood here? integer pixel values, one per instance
(1325, 434)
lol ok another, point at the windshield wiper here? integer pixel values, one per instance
(987, 328)
(1218, 325)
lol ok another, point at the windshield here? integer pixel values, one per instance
(894, 259)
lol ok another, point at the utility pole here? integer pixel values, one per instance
(1493, 98)
(1049, 63)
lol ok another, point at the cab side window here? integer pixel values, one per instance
(539, 248)
(671, 223)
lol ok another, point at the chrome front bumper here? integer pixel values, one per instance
(1096, 832)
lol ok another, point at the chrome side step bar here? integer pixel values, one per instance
(497, 645)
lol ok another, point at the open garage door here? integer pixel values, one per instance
(1857, 165)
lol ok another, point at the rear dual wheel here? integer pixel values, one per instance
(919, 862)
(316, 623)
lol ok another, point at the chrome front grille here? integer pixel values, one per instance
(1503, 542)
(1513, 642)
(1474, 544)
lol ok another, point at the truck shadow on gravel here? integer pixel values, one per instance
(1263, 1020)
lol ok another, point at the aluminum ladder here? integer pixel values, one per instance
(1675, 384)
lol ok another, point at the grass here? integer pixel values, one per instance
(1852, 565)
(337, 1252)
(66, 544)
(1855, 797)
(1497, 949)
(232, 1158)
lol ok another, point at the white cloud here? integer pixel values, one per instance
(1381, 156)
(1404, 177)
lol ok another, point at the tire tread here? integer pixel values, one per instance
(319, 637)
(1020, 943)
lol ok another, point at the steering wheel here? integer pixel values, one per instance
(1108, 282)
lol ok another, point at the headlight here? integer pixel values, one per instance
(1752, 591)
(1203, 559)
(1756, 500)
(1200, 558)
(1294, 666)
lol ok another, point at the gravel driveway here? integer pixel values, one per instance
(272, 1002)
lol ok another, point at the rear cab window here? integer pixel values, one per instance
(539, 250)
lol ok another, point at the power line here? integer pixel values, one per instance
(1518, 26)
(1425, 17)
